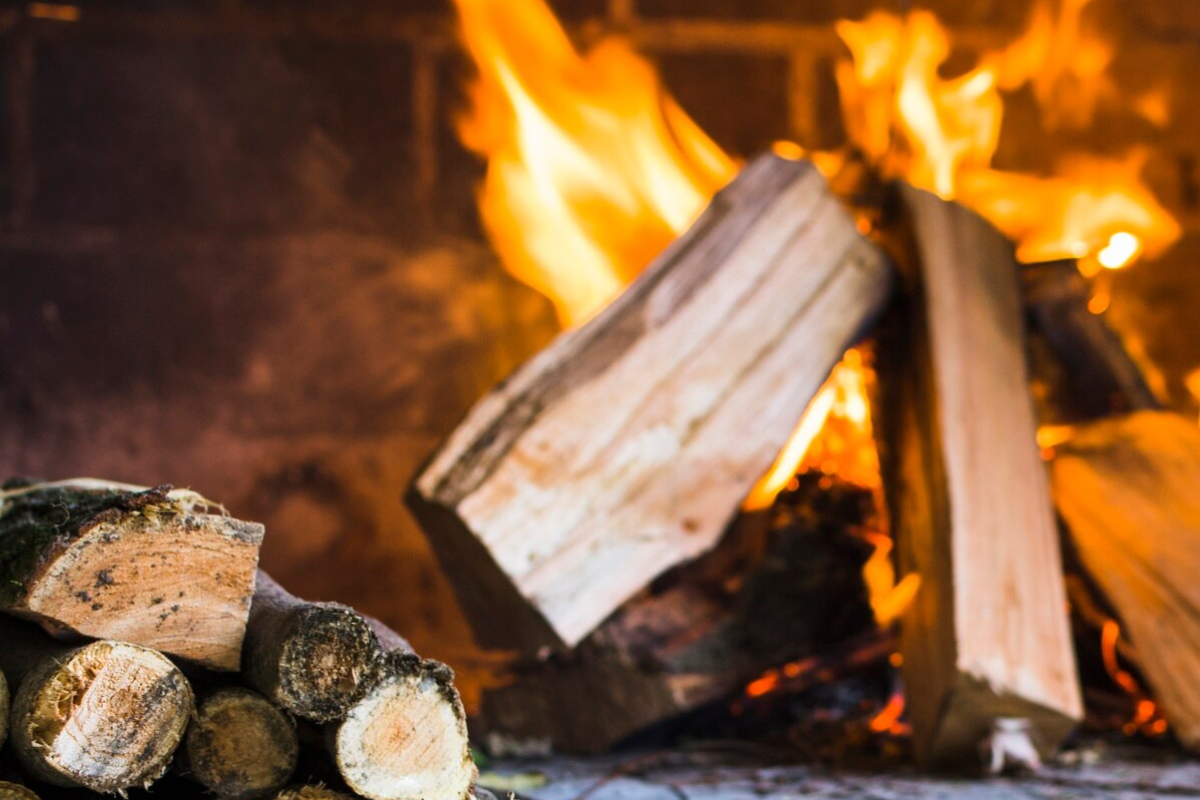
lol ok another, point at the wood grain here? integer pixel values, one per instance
(626, 446)
(987, 635)
(1127, 488)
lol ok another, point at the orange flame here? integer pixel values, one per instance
(941, 134)
(888, 718)
(592, 168)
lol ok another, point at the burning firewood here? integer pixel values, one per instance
(150, 567)
(312, 659)
(1127, 489)
(626, 447)
(106, 716)
(1101, 378)
(987, 636)
(406, 739)
(779, 587)
(15, 791)
(240, 746)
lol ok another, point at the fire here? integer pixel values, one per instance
(941, 133)
(840, 416)
(888, 718)
(592, 168)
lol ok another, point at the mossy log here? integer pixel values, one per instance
(240, 746)
(312, 659)
(106, 716)
(406, 739)
(148, 567)
(15, 791)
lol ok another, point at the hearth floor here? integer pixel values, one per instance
(1119, 774)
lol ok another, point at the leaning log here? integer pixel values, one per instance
(626, 446)
(312, 659)
(240, 746)
(106, 716)
(782, 585)
(109, 561)
(1127, 489)
(987, 636)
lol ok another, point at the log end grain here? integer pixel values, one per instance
(240, 746)
(407, 738)
(106, 717)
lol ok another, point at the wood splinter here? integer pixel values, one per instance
(312, 659)
(240, 746)
(111, 561)
(106, 716)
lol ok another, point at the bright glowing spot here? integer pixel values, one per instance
(1121, 249)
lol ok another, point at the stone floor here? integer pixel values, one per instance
(738, 775)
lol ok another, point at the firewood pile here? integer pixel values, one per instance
(583, 508)
(141, 641)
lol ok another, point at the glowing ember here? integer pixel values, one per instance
(888, 719)
(888, 599)
(592, 168)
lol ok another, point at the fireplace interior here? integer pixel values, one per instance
(277, 252)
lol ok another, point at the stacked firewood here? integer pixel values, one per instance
(140, 640)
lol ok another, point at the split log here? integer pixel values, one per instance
(106, 716)
(627, 446)
(406, 739)
(1100, 378)
(114, 562)
(782, 585)
(987, 636)
(240, 746)
(1127, 490)
(313, 659)
(15, 791)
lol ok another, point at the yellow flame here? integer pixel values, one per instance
(592, 168)
(941, 134)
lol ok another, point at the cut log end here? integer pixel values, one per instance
(106, 717)
(407, 738)
(324, 666)
(15, 791)
(141, 567)
(240, 746)
(312, 793)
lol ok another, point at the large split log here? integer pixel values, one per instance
(626, 446)
(782, 585)
(1127, 488)
(106, 716)
(987, 636)
(150, 567)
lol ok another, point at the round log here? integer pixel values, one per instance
(240, 746)
(407, 738)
